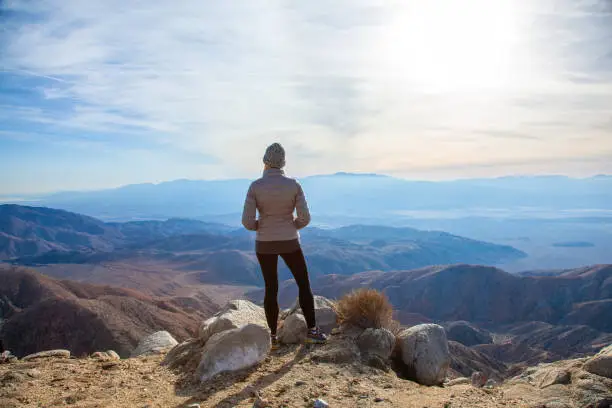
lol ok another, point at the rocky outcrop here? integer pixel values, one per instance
(233, 349)
(154, 343)
(601, 364)
(235, 314)
(565, 383)
(423, 350)
(325, 312)
(376, 342)
(293, 330)
(235, 338)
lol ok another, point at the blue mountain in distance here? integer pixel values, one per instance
(38, 235)
(364, 195)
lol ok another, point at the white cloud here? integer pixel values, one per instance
(352, 85)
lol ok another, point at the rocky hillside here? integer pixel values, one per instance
(39, 313)
(479, 294)
(228, 363)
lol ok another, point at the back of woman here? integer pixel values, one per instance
(276, 197)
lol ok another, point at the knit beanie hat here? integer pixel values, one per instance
(275, 156)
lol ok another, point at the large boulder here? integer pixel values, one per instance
(423, 350)
(376, 342)
(233, 349)
(154, 343)
(601, 364)
(235, 314)
(236, 337)
(325, 313)
(293, 330)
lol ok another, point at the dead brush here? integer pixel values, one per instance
(366, 308)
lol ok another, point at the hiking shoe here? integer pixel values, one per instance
(274, 343)
(315, 336)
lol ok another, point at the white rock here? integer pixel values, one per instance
(601, 364)
(233, 350)
(325, 313)
(154, 343)
(424, 350)
(293, 330)
(319, 403)
(235, 314)
(458, 381)
(59, 353)
(112, 354)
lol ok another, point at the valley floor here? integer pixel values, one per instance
(287, 378)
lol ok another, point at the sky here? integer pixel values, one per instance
(107, 93)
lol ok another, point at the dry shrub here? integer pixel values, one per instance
(365, 308)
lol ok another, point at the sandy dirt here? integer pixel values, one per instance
(287, 378)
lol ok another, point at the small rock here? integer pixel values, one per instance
(260, 403)
(46, 354)
(193, 406)
(293, 330)
(378, 342)
(7, 357)
(490, 383)
(154, 344)
(458, 381)
(319, 403)
(299, 383)
(147, 377)
(112, 354)
(100, 355)
(110, 366)
(479, 379)
(32, 373)
(378, 399)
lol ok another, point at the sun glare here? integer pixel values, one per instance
(448, 45)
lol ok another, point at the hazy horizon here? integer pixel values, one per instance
(17, 196)
(93, 98)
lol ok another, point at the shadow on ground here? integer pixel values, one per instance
(187, 387)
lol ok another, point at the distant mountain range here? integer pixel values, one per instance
(341, 194)
(34, 235)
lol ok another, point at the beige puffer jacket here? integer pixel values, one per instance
(275, 197)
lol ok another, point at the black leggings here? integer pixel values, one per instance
(297, 264)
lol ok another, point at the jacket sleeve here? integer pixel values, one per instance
(249, 213)
(301, 208)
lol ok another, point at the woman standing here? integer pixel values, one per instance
(276, 197)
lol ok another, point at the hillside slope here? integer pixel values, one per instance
(41, 313)
(476, 293)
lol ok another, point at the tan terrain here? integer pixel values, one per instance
(287, 378)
